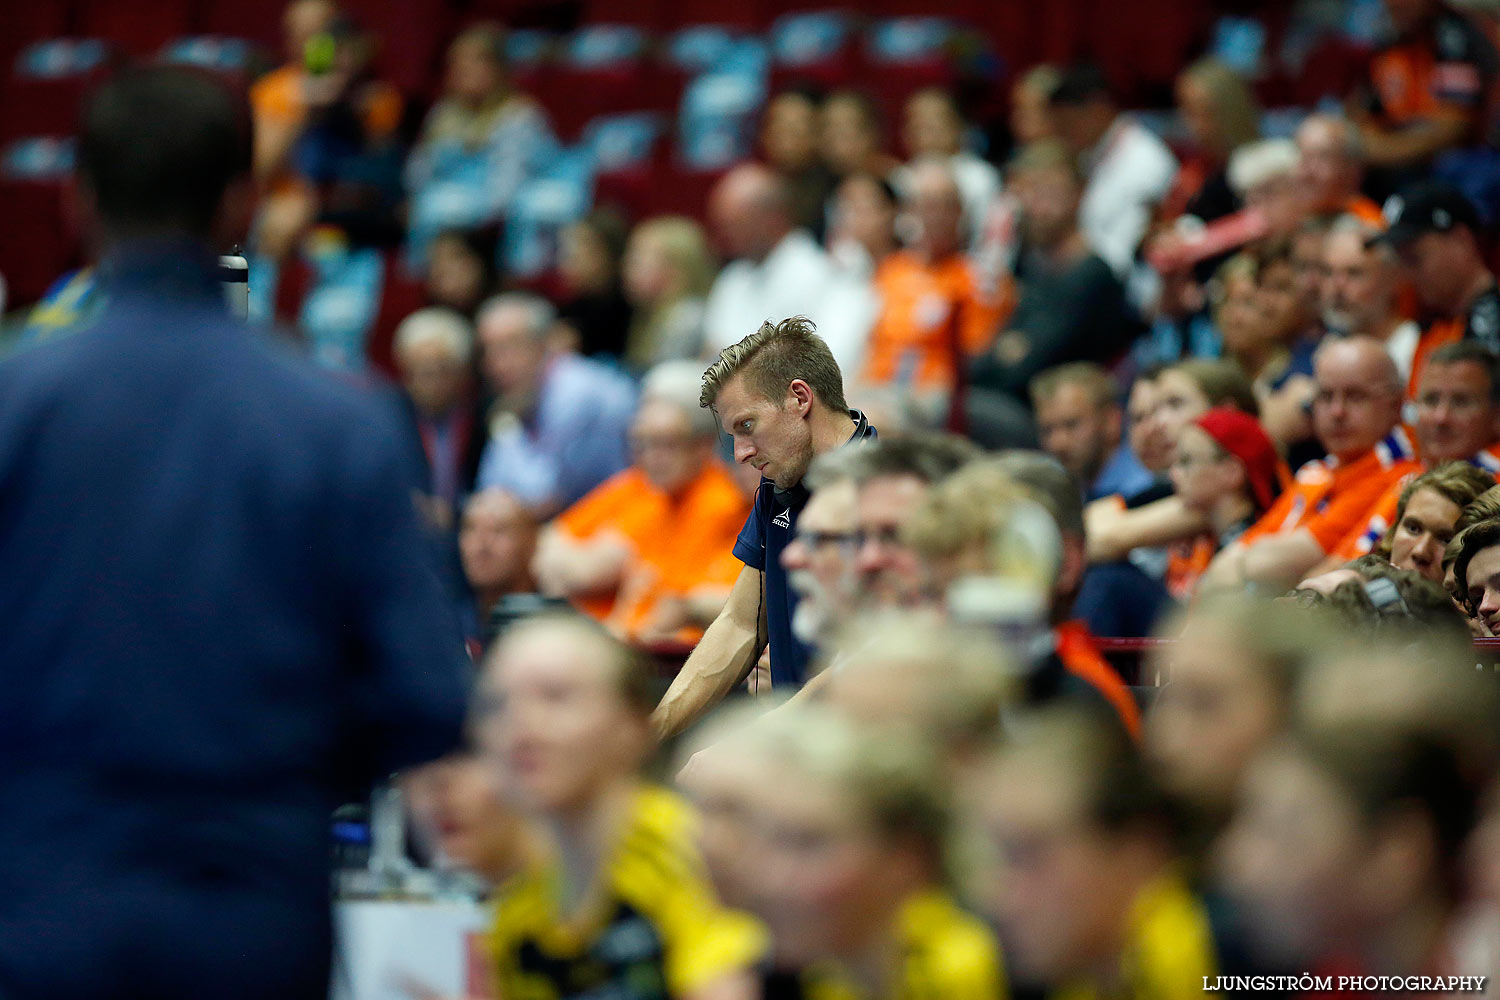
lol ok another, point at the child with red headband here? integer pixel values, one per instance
(1228, 470)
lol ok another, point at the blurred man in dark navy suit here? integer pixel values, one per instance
(217, 615)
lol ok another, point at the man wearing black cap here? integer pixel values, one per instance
(1434, 229)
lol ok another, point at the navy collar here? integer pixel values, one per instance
(180, 266)
(862, 429)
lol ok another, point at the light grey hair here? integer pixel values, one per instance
(1350, 139)
(436, 325)
(679, 383)
(540, 313)
(1256, 163)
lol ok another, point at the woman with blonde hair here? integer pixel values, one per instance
(667, 271)
(1220, 113)
(852, 831)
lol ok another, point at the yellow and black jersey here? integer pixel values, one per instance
(946, 954)
(1169, 949)
(654, 930)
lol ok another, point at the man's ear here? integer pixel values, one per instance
(800, 397)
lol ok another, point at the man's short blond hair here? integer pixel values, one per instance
(1088, 376)
(772, 357)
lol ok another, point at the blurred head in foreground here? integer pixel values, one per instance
(562, 708)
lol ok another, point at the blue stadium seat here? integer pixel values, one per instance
(211, 52)
(716, 127)
(812, 45)
(622, 142)
(40, 159)
(905, 41)
(542, 208)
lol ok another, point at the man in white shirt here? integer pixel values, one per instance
(778, 270)
(1128, 169)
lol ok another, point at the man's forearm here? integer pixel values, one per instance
(1396, 147)
(1277, 561)
(1282, 560)
(722, 659)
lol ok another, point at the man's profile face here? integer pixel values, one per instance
(1455, 416)
(1438, 264)
(1151, 448)
(1076, 432)
(820, 559)
(1358, 286)
(772, 436)
(1484, 587)
(890, 573)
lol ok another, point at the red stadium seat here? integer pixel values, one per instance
(139, 27)
(750, 15)
(410, 35)
(588, 80)
(257, 22)
(652, 15)
(401, 295)
(39, 244)
(22, 23)
(41, 107)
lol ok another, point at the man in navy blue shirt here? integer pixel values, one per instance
(218, 616)
(780, 396)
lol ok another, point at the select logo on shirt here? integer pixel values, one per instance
(783, 520)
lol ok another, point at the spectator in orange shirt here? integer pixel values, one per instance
(1458, 420)
(325, 131)
(278, 99)
(1330, 169)
(647, 552)
(1431, 89)
(1356, 414)
(936, 313)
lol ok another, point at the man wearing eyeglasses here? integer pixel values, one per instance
(1356, 413)
(820, 559)
(1458, 420)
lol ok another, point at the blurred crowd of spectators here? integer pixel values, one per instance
(1094, 293)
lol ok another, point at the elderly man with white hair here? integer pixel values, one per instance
(432, 351)
(557, 428)
(1264, 174)
(648, 551)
